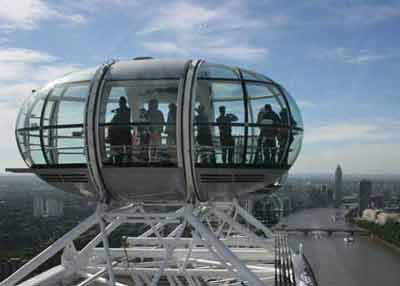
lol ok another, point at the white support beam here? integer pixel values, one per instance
(106, 247)
(46, 278)
(243, 271)
(206, 273)
(220, 249)
(161, 224)
(246, 254)
(101, 280)
(181, 242)
(252, 220)
(241, 229)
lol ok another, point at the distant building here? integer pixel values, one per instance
(38, 207)
(54, 208)
(376, 201)
(364, 196)
(338, 186)
(47, 207)
(8, 267)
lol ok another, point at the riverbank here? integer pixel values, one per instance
(366, 262)
(387, 235)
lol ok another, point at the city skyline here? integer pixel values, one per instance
(339, 60)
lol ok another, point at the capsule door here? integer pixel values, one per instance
(138, 139)
(236, 148)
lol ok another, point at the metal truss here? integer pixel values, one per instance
(206, 244)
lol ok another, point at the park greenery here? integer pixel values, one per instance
(389, 232)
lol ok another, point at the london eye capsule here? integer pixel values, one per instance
(160, 130)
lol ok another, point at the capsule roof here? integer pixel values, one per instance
(147, 69)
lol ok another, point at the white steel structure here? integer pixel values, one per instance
(208, 244)
(178, 142)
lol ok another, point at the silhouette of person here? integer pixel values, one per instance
(144, 134)
(267, 120)
(285, 135)
(120, 131)
(203, 137)
(225, 132)
(170, 130)
(171, 125)
(156, 120)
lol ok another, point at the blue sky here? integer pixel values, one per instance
(339, 59)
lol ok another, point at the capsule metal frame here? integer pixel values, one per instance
(184, 182)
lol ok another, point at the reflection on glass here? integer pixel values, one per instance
(56, 117)
(248, 75)
(219, 123)
(138, 123)
(66, 146)
(29, 128)
(71, 105)
(63, 129)
(294, 109)
(217, 71)
(296, 122)
(266, 106)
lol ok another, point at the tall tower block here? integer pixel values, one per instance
(338, 186)
(365, 193)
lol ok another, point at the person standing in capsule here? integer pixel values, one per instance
(225, 134)
(120, 132)
(267, 119)
(156, 119)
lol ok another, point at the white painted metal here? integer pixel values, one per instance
(89, 125)
(190, 245)
(186, 135)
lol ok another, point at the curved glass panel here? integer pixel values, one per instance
(85, 75)
(208, 70)
(267, 125)
(138, 122)
(63, 136)
(28, 128)
(295, 139)
(248, 75)
(219, 120)
(50, 124)
(294, 109)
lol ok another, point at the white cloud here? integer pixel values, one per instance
(367, 14)
(371, 130)
(351, 57)
(26, 14)
(338, 132)
(13, 94)
(24, 55)
(30, 66)
(164, 48)
(222, 31)
(23, 13)
(303, 103)
(182, 16)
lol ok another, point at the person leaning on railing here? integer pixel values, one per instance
(267, 119)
